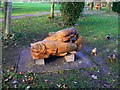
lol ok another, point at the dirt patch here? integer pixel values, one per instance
(11, 52)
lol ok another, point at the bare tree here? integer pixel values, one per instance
(7, 17)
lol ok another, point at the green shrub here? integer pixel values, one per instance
(71, 11)
(116, 7)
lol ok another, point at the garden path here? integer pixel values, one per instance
(29, 15)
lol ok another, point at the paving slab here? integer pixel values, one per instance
(26, 63)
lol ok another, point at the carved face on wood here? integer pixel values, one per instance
(38, 50)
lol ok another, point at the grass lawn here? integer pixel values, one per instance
(94, 29)
(30, 8)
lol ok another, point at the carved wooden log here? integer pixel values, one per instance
(57, 44)
(43, 49)
(62, 35)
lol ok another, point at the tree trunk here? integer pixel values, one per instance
(0, 4)
(7, 17)
(91, 5)
(108, 7)
(52, 10)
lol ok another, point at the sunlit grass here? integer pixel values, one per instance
(29, 8)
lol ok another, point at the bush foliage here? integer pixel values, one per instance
(71, 11)
(116, 7)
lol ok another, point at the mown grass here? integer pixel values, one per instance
(39, 24)
(29, 8)
(90, 27)
(96, 27)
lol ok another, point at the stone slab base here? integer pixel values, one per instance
(26, 63)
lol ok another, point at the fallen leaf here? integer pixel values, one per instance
(115, 50)
(6, 79)
(75, 82)
(10, 77)
(58, 85)
(46, 80)
(15, 81)
(113, 80)
(30, 78)
(15, 86)
(27, 88)
(64, 86)
(98, 70)
(80, 61)
(106, 85)
(21, 73)
(107, 50)
(94, 77)
(23, 80)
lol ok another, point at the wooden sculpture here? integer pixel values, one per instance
(57, 44)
